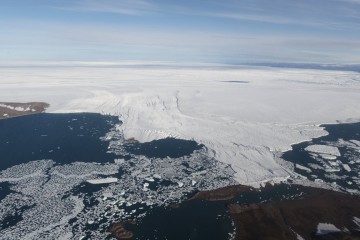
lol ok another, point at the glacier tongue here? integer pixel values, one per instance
(241, 124)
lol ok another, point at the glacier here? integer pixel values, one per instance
(245, 125)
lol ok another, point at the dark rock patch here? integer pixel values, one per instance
(11, 109)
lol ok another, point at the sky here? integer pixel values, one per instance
(208, 31)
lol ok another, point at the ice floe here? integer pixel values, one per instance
(325, 228)
(356, 220)
(324, 149)
(102, 180)
(303, 168)
(346, 167)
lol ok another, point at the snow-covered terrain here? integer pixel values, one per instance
(242, 123)
(22, 109)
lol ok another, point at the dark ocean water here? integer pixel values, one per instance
(168, 147)
(203, 220)
(64, 138)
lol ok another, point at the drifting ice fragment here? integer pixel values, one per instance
(193, 182)
(102, 181)
(157, 176)
(324, 149)
(346, 167)
(325, 228)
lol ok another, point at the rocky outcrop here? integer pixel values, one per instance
(300, 217)
(10, 109)
(119, 232)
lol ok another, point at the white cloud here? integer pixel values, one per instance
(351, 1)
(126, 7)
(297, 14)
(113, 42)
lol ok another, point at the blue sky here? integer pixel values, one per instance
(311, 31)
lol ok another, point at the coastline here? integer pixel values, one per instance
(16, 109)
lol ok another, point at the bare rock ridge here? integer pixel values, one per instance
(12, 109)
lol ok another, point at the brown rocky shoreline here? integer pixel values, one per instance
(12, 109)
(291, 219)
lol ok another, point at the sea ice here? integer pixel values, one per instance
(346, 167)
(193, 182)
(356, 220)
(303, 168)
(324, 149)
(102, 180)
(327, 156)
(157, 176)
(119, 161)
(357, 143)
